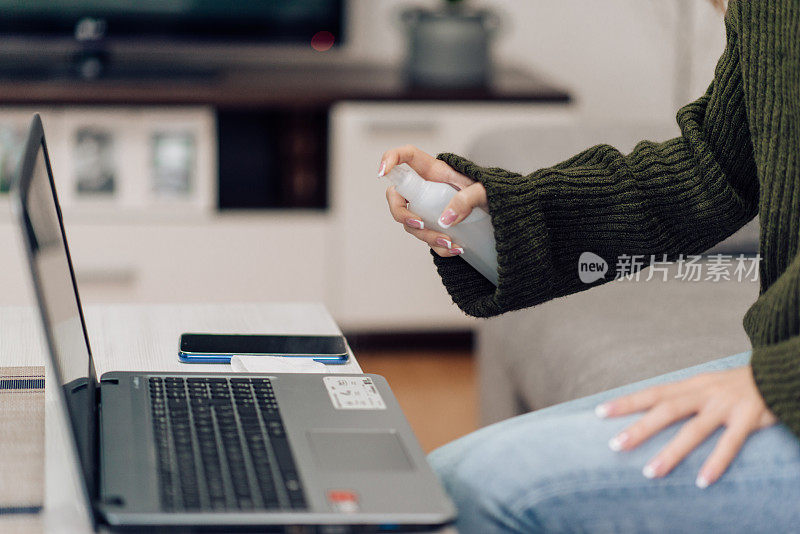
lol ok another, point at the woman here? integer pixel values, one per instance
(738, 155)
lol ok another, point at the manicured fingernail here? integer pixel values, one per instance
(602, 410)
(382, 169)
(456, 250)
(704, 479)
(447, 218)
(415, 223)
(651, 469)
(442, 242)
(616, 443)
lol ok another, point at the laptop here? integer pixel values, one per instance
(281, 452)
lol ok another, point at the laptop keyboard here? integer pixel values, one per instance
(221, 445)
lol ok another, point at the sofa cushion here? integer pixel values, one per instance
(611, 335)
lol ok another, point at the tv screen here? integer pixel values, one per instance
(270, 21)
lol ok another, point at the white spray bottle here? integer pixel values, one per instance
(474, 234)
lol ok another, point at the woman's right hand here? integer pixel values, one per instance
(471, 194)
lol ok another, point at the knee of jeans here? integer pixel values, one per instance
(444, 460)
(475, 476)
(453, 466)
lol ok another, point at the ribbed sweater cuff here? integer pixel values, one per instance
(776, 369)
(469, 290)
(524, 262)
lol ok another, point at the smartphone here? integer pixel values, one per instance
(219, 348)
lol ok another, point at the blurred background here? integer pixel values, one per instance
(227, 152)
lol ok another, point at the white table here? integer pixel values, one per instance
(136, 338)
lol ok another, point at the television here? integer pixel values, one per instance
(90, 30)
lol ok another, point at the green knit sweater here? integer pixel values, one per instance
(738, 155)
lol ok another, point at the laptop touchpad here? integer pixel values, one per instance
(361, 451)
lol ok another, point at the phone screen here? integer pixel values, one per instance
(263, 344)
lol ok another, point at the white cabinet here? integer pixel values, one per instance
(226, 258)
(381, 277)
(370, 273)
(354, 258)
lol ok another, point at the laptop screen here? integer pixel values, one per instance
(57, 293)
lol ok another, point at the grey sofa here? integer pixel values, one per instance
(613, 334)
(606, 337)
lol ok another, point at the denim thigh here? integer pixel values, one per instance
(552, 471)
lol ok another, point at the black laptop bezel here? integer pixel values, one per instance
(19, 194)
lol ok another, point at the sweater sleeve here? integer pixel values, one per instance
(681, 196)
(773, 324)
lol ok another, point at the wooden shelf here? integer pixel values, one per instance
(284, 86)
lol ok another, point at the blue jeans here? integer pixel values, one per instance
(552, 471)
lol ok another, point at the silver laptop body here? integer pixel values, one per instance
(298, 452)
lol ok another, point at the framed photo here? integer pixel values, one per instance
(95, 162)
(12, 138)
(94, 172)
(182, 159)
(14, 123)
(173, 163)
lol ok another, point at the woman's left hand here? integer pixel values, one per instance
(724, 398)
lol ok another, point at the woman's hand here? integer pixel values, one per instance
(724, 398)
(471, 194)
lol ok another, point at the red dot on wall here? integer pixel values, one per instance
(322, 41)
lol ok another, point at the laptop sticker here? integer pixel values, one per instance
(353, 393)
(345, 501)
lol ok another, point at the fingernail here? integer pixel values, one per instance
(415, 223)
(442, 242)
(651, 469)
(447, 218)
(456, 251)
(382, 169)
(704, 479)
(616, 443)
(602, 410)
